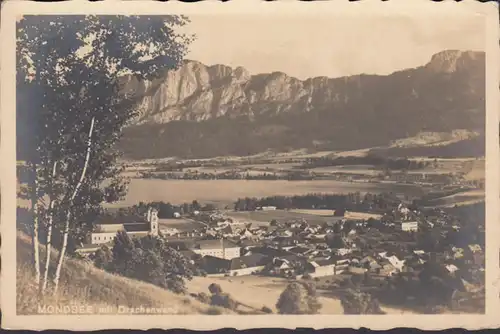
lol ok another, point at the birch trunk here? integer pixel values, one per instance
(34, 234)
(68, 214)
(48, 246)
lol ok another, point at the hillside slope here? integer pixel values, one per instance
(83, 284)
(204, 111)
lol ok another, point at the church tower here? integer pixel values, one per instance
(153, 221)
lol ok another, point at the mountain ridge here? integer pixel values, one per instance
(445, 94)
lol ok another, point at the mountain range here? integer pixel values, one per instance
(204, 111)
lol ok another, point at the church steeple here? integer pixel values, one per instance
(153, 221)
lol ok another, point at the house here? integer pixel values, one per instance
(341, 264)
(475, 248)
(282, 267)
(298, 250)
(229, 231)
(246, 234)
(418, 252)
(320, 268)
(249, 264)
(244, 265)
(170, 231)
(268, 208)
(457, 252)
(409, 226)
(343, 251)
(397, 263)
(270, 251)
(106, 227)
(382, 255)
(215, 265)
(220, 248)
(369, 263)
(451, 268)
(386, 268)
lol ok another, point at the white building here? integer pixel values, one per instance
(105, 230)
(217, 247)
(411, 226)
(268, 208)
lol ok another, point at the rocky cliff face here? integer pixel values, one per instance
(197, 92)
(216, 104)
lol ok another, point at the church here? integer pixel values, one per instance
(106, 228)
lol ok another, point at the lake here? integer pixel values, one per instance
(226, 192)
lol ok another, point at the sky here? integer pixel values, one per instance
(306, 47)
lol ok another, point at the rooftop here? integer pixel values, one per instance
(249, 261)
(214, 244)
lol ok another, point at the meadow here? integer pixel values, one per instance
(264, 217)
(83, 284)
(259, 291)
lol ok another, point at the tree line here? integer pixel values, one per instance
(230, 175)
(371, 159)
(351, 201)
(166, 209)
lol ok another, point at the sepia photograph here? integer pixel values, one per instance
(244, 163)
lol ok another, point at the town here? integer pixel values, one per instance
(395, 251)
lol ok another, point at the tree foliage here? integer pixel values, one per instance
(150, 259)
(298, 298)
(70, 112)
(356, 302)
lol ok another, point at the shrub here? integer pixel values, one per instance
(266, 309)
(357, 302)
(298, 298)
(214, 288)
(176, 285)
(224, 300)
(150, 259)
(306, 276)
(203, 297)
(103, 257)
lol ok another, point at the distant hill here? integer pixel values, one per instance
(473, 147)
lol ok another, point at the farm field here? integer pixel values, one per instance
(316, 212)
(362, 169)
(226, 192)
(264, 217)
(467, 197)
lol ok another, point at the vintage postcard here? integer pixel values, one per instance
(250, 164)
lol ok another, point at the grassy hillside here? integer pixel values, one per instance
(83, 284)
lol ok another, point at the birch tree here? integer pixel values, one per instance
(85, 76)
